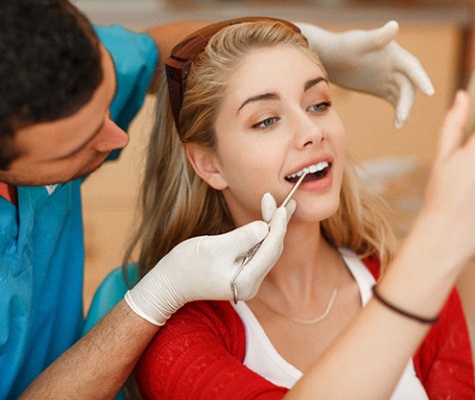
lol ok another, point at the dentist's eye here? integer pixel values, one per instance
(266, 123)
(320, 106)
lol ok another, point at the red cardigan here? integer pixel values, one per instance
(199, 354)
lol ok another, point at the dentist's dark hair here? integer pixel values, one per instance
(50, 66)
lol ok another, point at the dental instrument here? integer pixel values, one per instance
(252, 251)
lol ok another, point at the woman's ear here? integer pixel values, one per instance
(205, 164)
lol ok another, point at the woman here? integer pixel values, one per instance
(253, 111)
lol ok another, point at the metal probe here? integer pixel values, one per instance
(253, 250)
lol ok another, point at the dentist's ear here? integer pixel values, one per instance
(203, 161)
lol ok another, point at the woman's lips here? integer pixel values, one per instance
(314, 172)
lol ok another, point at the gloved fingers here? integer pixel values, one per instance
(268, 207)
(405, 99)
(376, 39)
(395, 90)
(392, 98)
(271, 247)
(410, 66)
(360, 43)
(254, 272)
(238, 241)
(391, 93)
(402, 61)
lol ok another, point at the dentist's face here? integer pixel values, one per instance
(277, 120)
(70, 147)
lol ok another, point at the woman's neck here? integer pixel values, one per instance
(307, 259)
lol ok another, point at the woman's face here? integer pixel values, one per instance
(276, 120)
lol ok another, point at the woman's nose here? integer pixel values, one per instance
(307, 132)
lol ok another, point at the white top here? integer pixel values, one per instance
(263, 358)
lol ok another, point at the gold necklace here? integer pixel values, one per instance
(317, 319)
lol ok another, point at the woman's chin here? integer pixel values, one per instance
(314, 214)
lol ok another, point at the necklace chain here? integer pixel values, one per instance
(317, 319)
(306, 321)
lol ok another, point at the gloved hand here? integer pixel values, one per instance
(201, 268)
(371, 62)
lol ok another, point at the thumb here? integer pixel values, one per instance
(375, 39)
(268, 207)
(380, 37)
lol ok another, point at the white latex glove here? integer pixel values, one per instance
(371, 62)
(201, 268)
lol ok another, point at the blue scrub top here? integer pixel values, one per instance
(41, 241)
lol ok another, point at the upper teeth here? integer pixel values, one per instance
(311, 169)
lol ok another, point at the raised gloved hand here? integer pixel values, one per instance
(201, 268)
(371, 62)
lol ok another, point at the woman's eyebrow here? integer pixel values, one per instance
(312, 82)
(273, 96)
(259, 97)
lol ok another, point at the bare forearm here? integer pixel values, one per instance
(367, 360)
(97, 366)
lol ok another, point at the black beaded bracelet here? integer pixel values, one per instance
(402, 312)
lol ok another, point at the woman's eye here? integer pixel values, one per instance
(320, 106)
(266, 123)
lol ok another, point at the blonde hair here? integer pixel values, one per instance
(176, 204)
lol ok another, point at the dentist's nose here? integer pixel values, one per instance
(110, 137)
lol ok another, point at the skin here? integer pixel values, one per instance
(85, 370)
(283, 122)
(276, 119)
(279, 128)
(82, 141)
(264, 141)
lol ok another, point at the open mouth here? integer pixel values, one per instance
(314, 172)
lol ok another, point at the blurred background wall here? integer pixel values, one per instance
(438, 32)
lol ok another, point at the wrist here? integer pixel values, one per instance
(400, 311)
(435, 241)
(419, 280)
(155, 298)
(157, 319)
